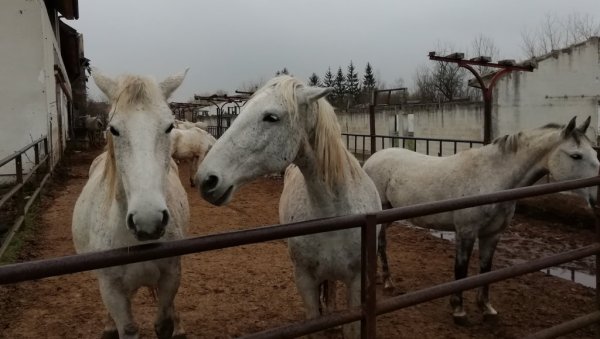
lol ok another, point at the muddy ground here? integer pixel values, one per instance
(229, 293)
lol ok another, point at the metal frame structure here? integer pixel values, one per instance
(370, 308)
(238, 100)
(179, 108)
(374, 103)
(505, 66)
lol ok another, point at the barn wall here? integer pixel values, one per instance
(27, 83)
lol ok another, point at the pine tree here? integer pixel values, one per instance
(368, 83)
(368, 78)
(282, 72)
(352, 84)
(314, 80)
(339, 87)
(328, 78)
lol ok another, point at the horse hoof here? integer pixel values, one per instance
(180, 336)
(113, 334)
(461, 320)
(490, 318)
(164, 329)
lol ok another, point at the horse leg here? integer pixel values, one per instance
(110, 328)
(388, 283)
(193, 169)
(464, 248)
(118, 304)
(352, 330)
(308, 288)
(487, 246)
(167, 324)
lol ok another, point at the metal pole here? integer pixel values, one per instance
(487, 115)
(372, 122)
(21, 194)
(368, 276)
(597, 257)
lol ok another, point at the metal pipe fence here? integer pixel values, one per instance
(360, 144)
(370, 308)
(22, 179)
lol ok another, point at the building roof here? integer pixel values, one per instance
(69, 9)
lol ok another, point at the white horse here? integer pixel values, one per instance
(94, 127)
(404, 178)
(287, 123)
(191, 145)
(184, 124)
(134, 195)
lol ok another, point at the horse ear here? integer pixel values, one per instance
(171, 83)
(106, 84)
(583, 127)
(311, 94)
(569, 128)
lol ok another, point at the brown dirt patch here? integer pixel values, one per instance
(237, 291)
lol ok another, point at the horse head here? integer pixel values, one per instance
(265, 138)
(138, 148)
(575, 158)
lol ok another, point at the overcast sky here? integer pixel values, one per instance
(227, 43)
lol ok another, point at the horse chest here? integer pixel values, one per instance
(330, 255)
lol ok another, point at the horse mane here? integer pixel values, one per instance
(510, 143)
(131, 90)
(332, 157)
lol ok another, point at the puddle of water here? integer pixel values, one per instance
(573, 275)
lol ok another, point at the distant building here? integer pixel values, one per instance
(42, 78)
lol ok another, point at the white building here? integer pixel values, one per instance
(35, 89)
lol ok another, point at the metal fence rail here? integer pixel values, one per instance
(360, 144)
(369, 309)
(22, 203)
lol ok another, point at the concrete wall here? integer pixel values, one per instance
(566, 83)
(27, 83)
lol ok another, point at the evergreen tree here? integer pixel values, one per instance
(369, 79)
(352, 84)
(368, 83)
(282, 72)
(339, 87)
(314, 80)
(328, 78)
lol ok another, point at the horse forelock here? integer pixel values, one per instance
(136, 90)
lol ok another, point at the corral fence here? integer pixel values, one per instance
(369, 308)
(15, 202)
(360, 144)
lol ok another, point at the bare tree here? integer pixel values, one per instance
(252, 85)
(556, 32)
(484, 46)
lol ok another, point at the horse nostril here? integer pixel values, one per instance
(210, 183)
(165, 218)
(130, 222)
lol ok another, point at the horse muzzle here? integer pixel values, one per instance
(213, 190)
(148, 226)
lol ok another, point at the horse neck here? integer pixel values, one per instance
(328, 199)
(526, 163)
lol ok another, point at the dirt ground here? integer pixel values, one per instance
(229, 293)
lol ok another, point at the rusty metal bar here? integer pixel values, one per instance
(11, 157)
(89, 261)
(435, 292)
(368, 290)
(567, 327)
(480, 63)
(417, 210)
(309, 326)
(20, 194)
(446, 289)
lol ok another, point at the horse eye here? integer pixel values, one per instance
(170, 129)
(114, 131)
(576, 156)
(271, 118)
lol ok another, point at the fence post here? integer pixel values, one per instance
(21, 195)
(368, 275)
(597, 257)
